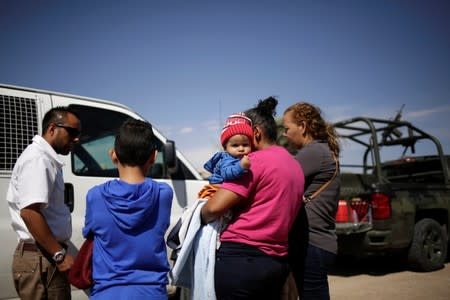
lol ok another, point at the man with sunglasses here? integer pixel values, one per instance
(39, 215)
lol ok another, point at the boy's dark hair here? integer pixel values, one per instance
(263, 115)
(57, 115)
(134, 142)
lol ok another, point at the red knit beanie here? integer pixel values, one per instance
(237, 123)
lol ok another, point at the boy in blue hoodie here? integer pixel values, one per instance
(129, 217)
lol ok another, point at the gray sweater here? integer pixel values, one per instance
(319, 166)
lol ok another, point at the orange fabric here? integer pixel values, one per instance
(208, 191)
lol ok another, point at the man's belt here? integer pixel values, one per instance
(33, 247)
(28, 247)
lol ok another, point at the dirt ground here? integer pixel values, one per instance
(381, 278)
(386, 278)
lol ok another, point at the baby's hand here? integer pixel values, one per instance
(245, 162)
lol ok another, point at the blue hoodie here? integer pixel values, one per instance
(129, 222)
(223, 167)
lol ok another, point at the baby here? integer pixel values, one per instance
(237, 140)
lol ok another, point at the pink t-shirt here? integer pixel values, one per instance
(272, 191)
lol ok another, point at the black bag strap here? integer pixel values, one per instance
(307, 199)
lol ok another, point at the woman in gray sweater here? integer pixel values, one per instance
(313, 240)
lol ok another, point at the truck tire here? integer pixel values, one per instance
(428, 249)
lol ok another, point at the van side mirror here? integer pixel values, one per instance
(170, 156)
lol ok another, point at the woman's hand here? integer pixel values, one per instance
(221, 202)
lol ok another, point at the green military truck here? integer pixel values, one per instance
(395, 192)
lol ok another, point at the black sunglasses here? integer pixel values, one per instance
(73, 132)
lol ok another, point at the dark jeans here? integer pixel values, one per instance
(244, 272)
(312, 282)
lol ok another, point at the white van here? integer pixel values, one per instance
(21, 113)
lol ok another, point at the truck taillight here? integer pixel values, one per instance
(381, 206)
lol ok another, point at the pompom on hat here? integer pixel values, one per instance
(237, 123)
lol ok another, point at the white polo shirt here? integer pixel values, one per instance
(37, 178)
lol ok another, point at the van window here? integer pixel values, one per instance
(90, 157)
(18, 125)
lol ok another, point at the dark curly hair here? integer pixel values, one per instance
(263, 115)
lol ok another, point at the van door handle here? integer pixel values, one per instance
(68, 196)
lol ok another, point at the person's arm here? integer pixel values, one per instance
(231, 168)
(211, 163)
(39, 229)
(88, 220)
(215, 207)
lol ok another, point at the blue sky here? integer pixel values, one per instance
(186, 65)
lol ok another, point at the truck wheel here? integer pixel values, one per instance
(428, 249)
